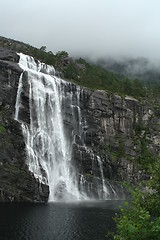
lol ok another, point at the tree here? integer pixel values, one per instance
(138, 88)
(127, 86)
(43, 48)
(140, 219)
(62, 54)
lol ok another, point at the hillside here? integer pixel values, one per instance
(88, 74)
(147, 71)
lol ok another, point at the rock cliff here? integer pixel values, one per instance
(121, 131)
(16, 182)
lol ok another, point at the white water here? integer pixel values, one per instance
(48, 148)
(18, 97)
(105, 192)
(48, 141)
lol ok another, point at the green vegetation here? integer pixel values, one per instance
(141, 141)
(84, 73)
(115, 154)
(146, 158)
(140, 219)
(2, 129)
(121, 152)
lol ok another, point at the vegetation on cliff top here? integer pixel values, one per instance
(82, 72)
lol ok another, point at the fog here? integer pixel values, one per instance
(87, 28)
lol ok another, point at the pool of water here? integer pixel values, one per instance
(57, 221)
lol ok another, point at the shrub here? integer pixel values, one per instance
(140, 219)
(2, 129)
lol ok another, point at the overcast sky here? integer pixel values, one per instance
(93, 28)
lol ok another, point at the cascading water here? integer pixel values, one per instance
(49, 150)
(48, 140)
(105, 192)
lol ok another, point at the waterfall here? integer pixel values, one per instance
(105, 192)
(18, 97)
(54, 126)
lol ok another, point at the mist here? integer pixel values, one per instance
(87, 28)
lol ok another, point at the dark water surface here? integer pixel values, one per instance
(57, 221)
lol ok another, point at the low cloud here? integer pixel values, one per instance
(87, 28)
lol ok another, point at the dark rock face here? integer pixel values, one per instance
(16, 182)
(117, 130)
